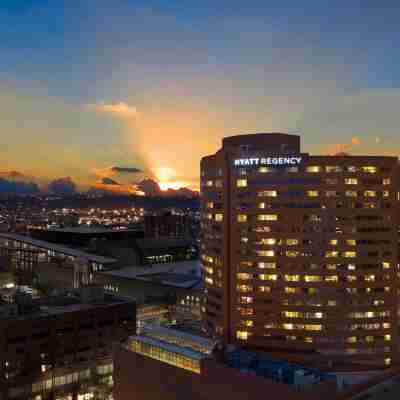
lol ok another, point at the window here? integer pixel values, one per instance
(264, 170)
(350, 254)
(331, 253)
(351, 193)
(386, 181)
(351, 169)
(351, 242)
(292, 242)
(333, 242)
(369, 193)
(241, 183)
(265, 253)
(261, 205)
(331, 193)
(268, 193)
(243, 276)
(369, 169)
(219, 217)
(263, 265)
(292, 253)
(242, 218)
(269, 241)
(386, 193)
(209, 183)
(264, 289)
(351, 181)
(313, 168)
(312, 193)
(210, 204)
(267, 217)
(312, 278)
(268, 277)
(242, 335)
(333, 168)
(292, 278)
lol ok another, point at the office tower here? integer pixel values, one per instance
(299, 251)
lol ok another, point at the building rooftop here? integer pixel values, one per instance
(57, 248)
(70, 301)
(183, 274)
(91, 230)
(162, 243)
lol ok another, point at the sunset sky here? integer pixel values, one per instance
(93, 84)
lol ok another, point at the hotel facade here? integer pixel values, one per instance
(300, 252)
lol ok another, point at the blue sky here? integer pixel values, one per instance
(191, 73)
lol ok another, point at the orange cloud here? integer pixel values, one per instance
(355, 141)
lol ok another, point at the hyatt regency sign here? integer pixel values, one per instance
(245, 162)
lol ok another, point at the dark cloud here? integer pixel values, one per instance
(126, 170)
(62, 186)
(17, 187)
(109, 181)
(149, 187)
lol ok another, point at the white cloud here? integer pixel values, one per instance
(120, 108)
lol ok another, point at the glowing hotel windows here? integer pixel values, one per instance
(292, 242)
(333, 168)
(241, 183)
(267, 193)
(267, 217)
(269, 241)
(265, 253)
(351, 193)
(268, 277)
(264, 265)
(312, 193)
(313, 169)
(292, 278)
(242, 335)
(351, 181)
(219, 217)
(242, 218)
(369, 193)
(386, 181)
(369, 169)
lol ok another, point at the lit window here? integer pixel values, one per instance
(261, 205)
(241, 183)
(219, 217)
(351, 193)
(264, 289)
(333, 168)
(386, 193)
(312, 278)
(388, 361)
(264, 170)
(351, 169)
(265, 253)
(242, 218)
(386, 265)
(243, 276)
(351, 181)
(292, 314)
(268, 193)
(351, 242)
(350, 254)
(369, 193)
(267, 217)
(269, 241)
(268, 277)
(387, 338)
(292, 242)
(313, 327)
(351, 278)
(369, 278)
(333, 242)
(351, 339)
(292, 253)
(386, 181)
(369, 169)
(248, 323)
(331, 278)
(244, 288)
(312, 193)
(331, 193)
(210, 205)
(263, 265)
(292, 278)
(242, 335)
(331, 253)
(209, 183)
(313, 168)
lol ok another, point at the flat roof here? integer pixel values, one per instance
(184, 274)
(168, 346)
(57, 248)
(88, 230)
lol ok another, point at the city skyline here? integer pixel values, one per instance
(96, 91)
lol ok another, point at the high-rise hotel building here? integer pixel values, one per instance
(300, 252)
